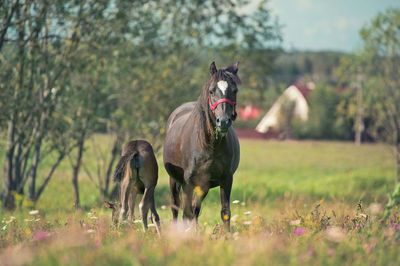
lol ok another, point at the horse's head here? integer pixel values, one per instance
(115, 211)
(222, 92)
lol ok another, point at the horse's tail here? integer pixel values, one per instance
(135, 163)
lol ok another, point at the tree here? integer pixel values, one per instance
(40, 42)
(379, 64)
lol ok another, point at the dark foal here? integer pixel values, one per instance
(137, 173)
(201, 149)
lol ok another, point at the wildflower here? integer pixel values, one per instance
(28, 231)
(236, 235)
(4, 228)
(242, 203)
(299, 231)
(235, 201)
(234, 218)
(188, 229)
(37, 220)
(205, 223)
(247, 213)
(91, 231)
(151, 225)
(163, 207)
(247, 222)
(330, 252)
(39, 235)
(295, 222)
(334, 234)
(375, 208)
(94, 218)
(149, 217)
(226, 217)
(137, 221)
(257, 220)
(34, 212)
(12, 218)
(396, 226)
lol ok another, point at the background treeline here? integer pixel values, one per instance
(72, 68)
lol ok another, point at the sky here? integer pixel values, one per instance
(325, 24)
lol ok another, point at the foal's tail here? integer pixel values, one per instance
(131, 157)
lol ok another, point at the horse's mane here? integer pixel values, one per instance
(202, 112)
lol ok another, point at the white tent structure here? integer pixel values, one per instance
(293, 93)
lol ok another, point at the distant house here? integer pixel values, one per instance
(295, 94)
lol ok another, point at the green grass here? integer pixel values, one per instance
(312, 186)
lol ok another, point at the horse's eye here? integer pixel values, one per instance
(211, 92)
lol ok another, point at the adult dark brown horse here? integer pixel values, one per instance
(201, 149)
(137, 173)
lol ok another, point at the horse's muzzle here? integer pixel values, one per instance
(223, 124)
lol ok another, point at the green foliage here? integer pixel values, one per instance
(394, 201)
(324, 121)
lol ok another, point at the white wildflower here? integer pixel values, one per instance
(235, 201)
(12, 218)
(247, 222)
(4, 227)
(34, 212)
(151, 225)
(234, 218)
(295, 222)
(91, 231)
(137, 221)
(247, 213)
(163, 207)
(334, 234)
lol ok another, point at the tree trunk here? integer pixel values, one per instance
(114, 153)
(9, 186)
(76, 168)
(359, 126)
(397, 163)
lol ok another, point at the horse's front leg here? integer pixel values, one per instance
(225, 193)
(187, 202)
(200, 192)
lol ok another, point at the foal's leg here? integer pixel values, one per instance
(225, 193)
(145, 204)
(131, 204)
(154, 214)
(175, 200)
(124, 198)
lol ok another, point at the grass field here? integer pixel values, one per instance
(294, 203)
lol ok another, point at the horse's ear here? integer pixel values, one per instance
(109, 205)
(213, 68)
(236, 67)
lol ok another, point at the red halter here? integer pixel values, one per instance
(223, 100)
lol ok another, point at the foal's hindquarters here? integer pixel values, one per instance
(137, 172)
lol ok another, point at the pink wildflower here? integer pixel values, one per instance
(299, 231)
(39, 235)
(330, 252)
